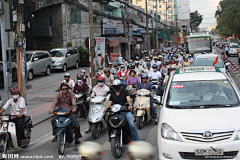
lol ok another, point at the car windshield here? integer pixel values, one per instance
(190, 94)
(235, 46)
(207, 62)
(28, 57)
(199, 44)
(57, 53)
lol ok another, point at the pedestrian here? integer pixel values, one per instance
(102, 59)
(226, 50)
(120, 58)
(99, 60)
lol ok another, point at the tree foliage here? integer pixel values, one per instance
(195, 19)
(228, 17)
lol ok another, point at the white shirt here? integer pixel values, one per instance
(138, 69)
(157, 63)
(226, 49)
(177, 66)
(13, 106)
(70, 83)
(146, 71)
(154, 75)
(164, 69)
(209, 96)
(99, 59)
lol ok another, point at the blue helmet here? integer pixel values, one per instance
(154, 66)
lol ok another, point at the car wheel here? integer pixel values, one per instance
(77, 65)
(48, 71)
(64, 68)
(30, 75)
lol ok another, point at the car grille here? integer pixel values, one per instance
(191, 155)
(217, 136)
(53, 62)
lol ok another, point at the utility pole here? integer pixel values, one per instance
(92, 47)
(129, 48)
(165, 36)
(147, 28)
(157, 23)
(177, 30)
(20, 48)
(4, 55)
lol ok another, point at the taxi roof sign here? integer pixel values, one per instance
(193, 69)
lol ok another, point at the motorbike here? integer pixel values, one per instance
(96, 117)
(9, 136)
(142, 107)
(131, 89)
(64, 129)
(155, 83)
(81, 107)
(120, 133)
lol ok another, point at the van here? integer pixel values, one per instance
(233, 47)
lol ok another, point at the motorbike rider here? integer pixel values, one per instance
(154, 74)
(108, 77)
(123, 72)
(122, 97)
(186, 62)
(100, 89)
(17, 102)
(164, 68)
(67, 80)
(158, 63)
(112, 70)
(81, 87)
(85, 77)
(138, 68)
(167, 76)
(66, 99)
(100, 72)
(133, 78)
(176, 65)
(147, 85)
(148, 69)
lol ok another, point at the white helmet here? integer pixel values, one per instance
(90, 150)
(66, 75)
(141, 150)
(116, 82)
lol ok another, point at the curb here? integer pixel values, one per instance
(42, 120)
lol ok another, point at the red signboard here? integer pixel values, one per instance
(114, 42)
(113, 57)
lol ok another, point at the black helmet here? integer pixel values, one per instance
(133, 72)
(148, 64)
(100, 67)
(106, 70)
(79, 76)
(132, 65)
(64, 84)
(144, 76)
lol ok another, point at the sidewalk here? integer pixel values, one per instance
(41, 96)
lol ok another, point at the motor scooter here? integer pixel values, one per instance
(119, 133)
(142, 109)
(64, 128)
(9, 136)
(81, 107)
(96, 116)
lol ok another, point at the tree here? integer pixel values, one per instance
(195, 19)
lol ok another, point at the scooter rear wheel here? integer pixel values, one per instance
(3, 147)
(95, 131)
(115, 147)
(61, 143)
(27, 134)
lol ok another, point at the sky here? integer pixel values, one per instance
(206, 8)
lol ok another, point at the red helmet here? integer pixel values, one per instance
(100, 79)
(15, 90)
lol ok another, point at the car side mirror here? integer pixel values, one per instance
(68, 55)
(35, 59)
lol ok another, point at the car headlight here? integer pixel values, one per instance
(58, 61)
(115, 108)
(237, 136)
(169, 133)
(96, 109)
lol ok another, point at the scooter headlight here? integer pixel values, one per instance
(5, 118)
(96, 109)
(142, 93)
(116, 108)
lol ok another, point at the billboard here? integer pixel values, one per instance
(183, 9)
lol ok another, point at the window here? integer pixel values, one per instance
(45, 55)
(154, 6)
(170, 11)
(160, 6)
(73, 51)
(75, 16)
(160, 12)
(169, 17)
(169, 6)
(40, 56)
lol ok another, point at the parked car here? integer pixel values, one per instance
(63, 58)
(233, 47)
(38, 62)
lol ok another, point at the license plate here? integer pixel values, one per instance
(208, 152)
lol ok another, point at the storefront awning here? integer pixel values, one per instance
(123, 40)
(113, 41)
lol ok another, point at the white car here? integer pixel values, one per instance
(199, 118)
(233, 49)
(208, 59)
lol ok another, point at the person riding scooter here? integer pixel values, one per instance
(148, 86)
(66, 99)
(17, 102)
(67, 80)
(81, 87)
(100, 89)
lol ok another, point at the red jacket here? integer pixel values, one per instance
(120, 73)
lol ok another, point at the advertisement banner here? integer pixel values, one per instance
(112, 27)
(100, 45)
(114, 42)
(183, 9)
(113, 57)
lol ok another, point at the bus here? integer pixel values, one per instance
(198, 44)
(231, 40)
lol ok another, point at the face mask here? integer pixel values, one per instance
(123, 60)
(100, 84)
(15, 96)
(154, 70)
(79, 81)
(122, 69)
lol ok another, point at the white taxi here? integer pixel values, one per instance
(200, 116)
